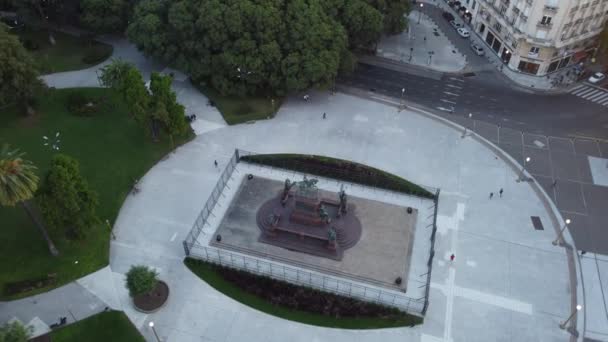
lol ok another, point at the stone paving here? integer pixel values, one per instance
(507, 282)
(423, 44)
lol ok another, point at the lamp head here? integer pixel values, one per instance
(151, 324)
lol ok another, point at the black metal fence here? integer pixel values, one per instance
(317, 277)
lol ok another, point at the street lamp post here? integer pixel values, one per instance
(560, 237)
(151, 324)
(420, 12)
(523, 168)
(563, 324)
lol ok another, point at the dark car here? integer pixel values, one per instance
(448, 16)
(11, 22)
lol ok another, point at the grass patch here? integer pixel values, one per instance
(340, 169)
(112, 150)
(236, 109)
(212, 275)
(68, 53)
(106, 326)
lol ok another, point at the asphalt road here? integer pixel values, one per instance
(563, 115)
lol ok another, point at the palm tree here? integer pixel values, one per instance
(18, 183)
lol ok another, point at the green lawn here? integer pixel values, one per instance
(210, 276)
(67, 53)
(107, 326)
(112, 150)
(236, 110)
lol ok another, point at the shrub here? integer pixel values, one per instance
(95, 55)
(14, 332)
(79, 104)
(340, 169)
(141, 280)
(31, 44)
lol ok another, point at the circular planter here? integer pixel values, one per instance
(153, 300)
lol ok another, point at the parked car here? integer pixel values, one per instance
(448, 16)
(455, 24)
(477, 49)
(463, 32)
(597, 78)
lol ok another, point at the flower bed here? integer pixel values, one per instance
(340, 169)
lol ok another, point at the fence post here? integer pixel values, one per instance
(186, 249)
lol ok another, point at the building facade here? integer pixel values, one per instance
(538, 37)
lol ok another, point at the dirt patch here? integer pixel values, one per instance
(154, 299)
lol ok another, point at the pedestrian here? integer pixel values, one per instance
(324, 115)
(554, 183)
(583, 252)
(215, 163)
(491, 195)
(500, 192)
(452, 257)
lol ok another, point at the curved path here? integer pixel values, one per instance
(508, 282)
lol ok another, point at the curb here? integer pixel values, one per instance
(575, 274)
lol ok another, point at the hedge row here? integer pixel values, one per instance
(299, 298)
(339, 169)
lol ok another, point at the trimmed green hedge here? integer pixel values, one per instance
(298, 303)
(340, 169)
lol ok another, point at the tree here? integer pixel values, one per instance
(14, 332)
(18, 184)
(141, 280)
(65, 199)
(394, 14)
(244, 46)
(363, 23)
(603, 45)
(18, 72)
(127, 81)
(164, 101)
(104, 16)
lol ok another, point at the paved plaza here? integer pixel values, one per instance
(506, 283)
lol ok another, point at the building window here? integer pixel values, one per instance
(474, 4)
(497, 26)
(552, 66)
(534, 50)
(546, 20)
(503, 10)
(528, 68)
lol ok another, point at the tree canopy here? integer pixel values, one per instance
(65, 199)
(18, 76)
(104, 16)
(246, 46)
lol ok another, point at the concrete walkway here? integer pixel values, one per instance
(423, 44)
(507, 281)
(494, 290)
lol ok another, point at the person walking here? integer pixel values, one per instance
(500, 192)
(491, 195)
(215, 163)
(452, 257)
(324, 115)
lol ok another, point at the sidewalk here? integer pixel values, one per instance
(558, 82)
(423, 44)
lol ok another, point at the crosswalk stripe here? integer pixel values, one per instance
(604, 103)
(577, 87)
(581, 90)
(584, 91)
(591, 94)
(601, 98)
(597, 96)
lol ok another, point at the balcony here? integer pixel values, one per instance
(552, 9)
(547, 26)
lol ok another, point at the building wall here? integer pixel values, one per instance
(542, 32)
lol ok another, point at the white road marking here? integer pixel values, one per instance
(600, 98)
(448, 101)
(173, 237)
(587, 93)
(576, 88)
(444, 109)
(453, 86)
(447, 92)
(592, 95)
(580, 91)
(456, 79)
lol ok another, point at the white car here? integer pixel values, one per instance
(455, 24)
(597, 77)
(463, 32)
(478, 50)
